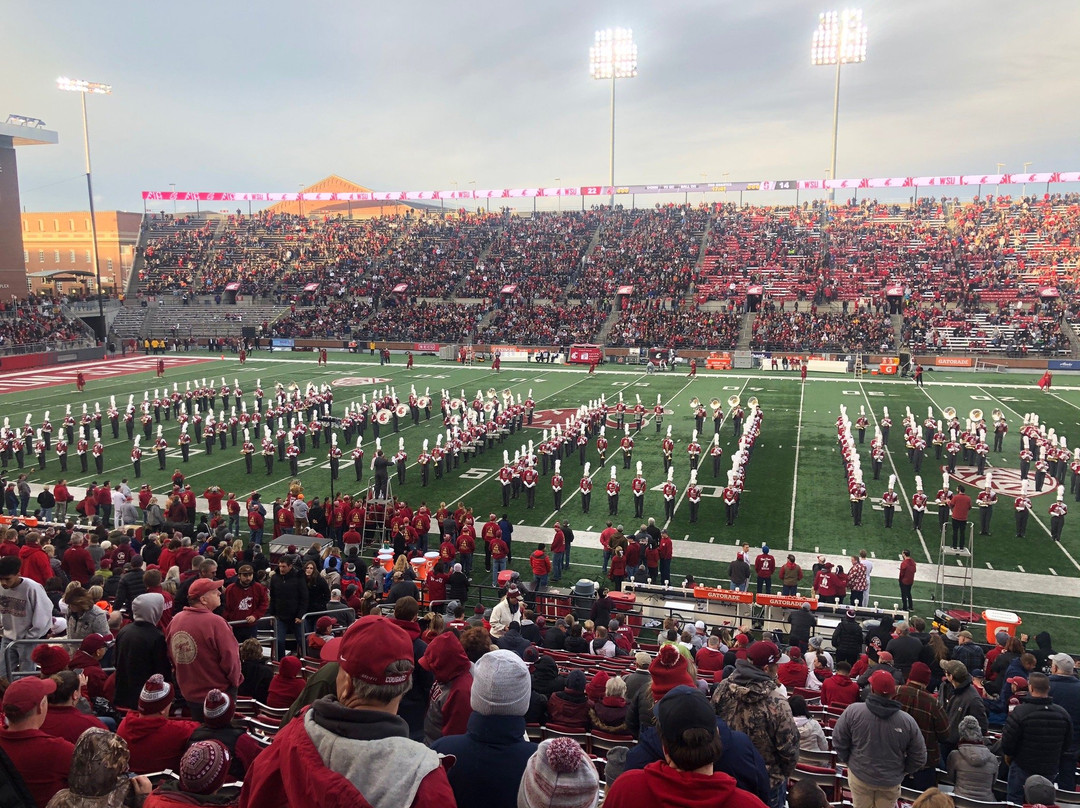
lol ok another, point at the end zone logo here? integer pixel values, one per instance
(358, 381)
(1005, 482)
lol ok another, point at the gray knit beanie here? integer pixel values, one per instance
(501, 684)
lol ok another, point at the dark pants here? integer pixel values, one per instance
(905, 597)
(959, 531)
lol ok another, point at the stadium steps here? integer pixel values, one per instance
(481, 260)
(1069, 330)
(746, 331)
(898, 328)
(609, 323)
(129, 322)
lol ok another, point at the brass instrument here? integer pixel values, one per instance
(752, 402)
(998, 415)
(491, 393)
(695, 402)
(949, 413)
(455, 404)
(976, 414)
(423, 402)
(715, 403)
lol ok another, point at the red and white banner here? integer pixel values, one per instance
(625, 290)
(311, 287)
(855, 183)
(509, 289)
(894, 291)
(400, 288)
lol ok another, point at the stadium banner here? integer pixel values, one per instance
(827, 365)
(585, 354)
(282, 343)
(953, 362)
(625, 290)
(509, 289)
(855, 183)
(785, 601)
(311, 287)
(427, 346)
(894, 291)
(1063, 364)
(400, 288)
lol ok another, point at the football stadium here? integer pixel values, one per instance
(751, 487)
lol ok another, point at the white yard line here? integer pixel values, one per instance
(795, 475)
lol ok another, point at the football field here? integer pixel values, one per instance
(795, 498)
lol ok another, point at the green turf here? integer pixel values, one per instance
(820, 519)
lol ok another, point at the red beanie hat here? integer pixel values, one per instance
(50, 659)
(289, 667)
(669, 669)
(597, 686)
(920, 672)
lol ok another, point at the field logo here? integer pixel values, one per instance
(546, 419)
(358, 381)
(1006, 482)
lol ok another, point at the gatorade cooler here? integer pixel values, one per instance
(505, 577)
(998, 620)
(419, 568)
(625, 602)
(386, 560)
(430, 558)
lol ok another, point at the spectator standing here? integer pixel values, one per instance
(25, 614)
(749, 702)
(960, 699)
(907, 580)
(500, 696)
(449, 704)
(968, 652)
(141, 650)
(1036, 737)
(288, 602)
(972, 764)
(1065, 691)
(880, 743)
(931, 719)
(202, 648)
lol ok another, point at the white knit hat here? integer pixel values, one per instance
(559, 775)
(501, 684)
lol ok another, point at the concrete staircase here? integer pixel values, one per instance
(746, 331)
(898, 329)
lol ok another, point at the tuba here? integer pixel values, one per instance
(733, 401)
(949, 413)
(695, 402)
(491, 393)
(715, 403)
(976, 414)
(383, 417)
(752, 402)
(401, 410)
(998, 415)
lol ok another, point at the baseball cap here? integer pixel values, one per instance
(25, 694)
(965, 634)
(200, 586)
(763, 653)
(684, 707)
(1066, 664)
(325, 622)
(371, 645)
(1019, 682)
(885, 657)
(955, 668)
(92, 643)
(882, 683)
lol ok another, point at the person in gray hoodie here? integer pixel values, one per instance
(879, 743)
(972, 764)
(140, 650)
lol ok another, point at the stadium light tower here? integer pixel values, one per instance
(613, 56)
(840, 39)
(84, 88)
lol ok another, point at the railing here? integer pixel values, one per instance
(46, 347)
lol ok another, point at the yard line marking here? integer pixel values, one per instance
(1020, 568)
(795, 475)
(1052, 570)
(988, 565)
(1034, 515)
(903, 493)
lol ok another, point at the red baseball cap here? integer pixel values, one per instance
(763, 653)
(325, 622)
(882, 683)
(92, 643)
(370, 646)
(25, 694)
(200, 586)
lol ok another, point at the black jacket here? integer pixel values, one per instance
(848, 638)
(1036, 734)
(141, 652)
(545, 677)
(130, 587)
(457, 587)
(288, 595)
(906, 650)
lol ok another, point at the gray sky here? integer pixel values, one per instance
(230, 96)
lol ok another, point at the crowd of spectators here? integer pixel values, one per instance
(36, 320)
(333, 317)
(544, 325)
(650, 323)
(863, 330)
(978, 329)
(425, 322)
(540, 254)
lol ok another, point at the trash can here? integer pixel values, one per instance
(998, 620)
(582, 598)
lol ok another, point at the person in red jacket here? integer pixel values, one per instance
(77, 562)
(710, 658)
(449, 708)
(907, 579)
(87, 662)
(35, 562)
(27, 746)
(361, 724)
(764, 567)
(213, 496)
(839, 690)
(65, 720)
(203, 650)
(540, 564)
(793, 673)
(156, 741)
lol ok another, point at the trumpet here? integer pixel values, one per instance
(695, 402)
(998, 415)
(976, 414)
(715, 403)
(402, 410)
(752, 402)
(423, 402)
(949, 413)
(733, 401)
(383, 417)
